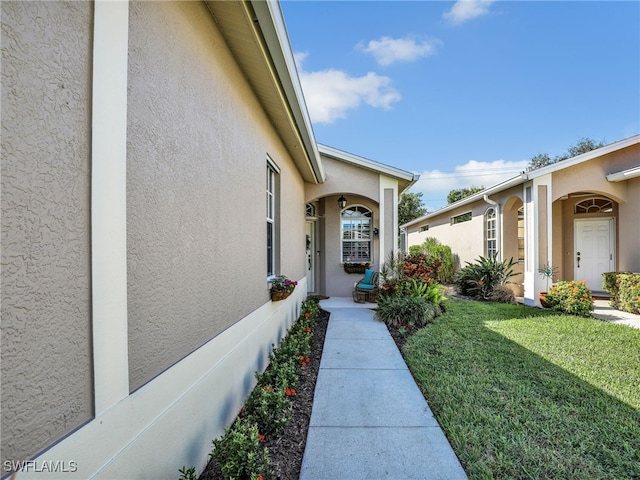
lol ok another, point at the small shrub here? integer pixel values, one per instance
(571, 297)
(629, 292)
(269, 408)
(239, 451)
(188, 473)
(398, 310)
(310, 306)
(502, 294)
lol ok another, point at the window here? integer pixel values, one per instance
(594, 205)
(271, 219)
(310, 210)
(465, 217)
(424, 228)
(521, 234)
(491, 233)
(356, 234)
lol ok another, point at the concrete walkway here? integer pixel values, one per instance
(604, 312)
(370, 420)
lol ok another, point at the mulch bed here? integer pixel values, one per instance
(287, 449)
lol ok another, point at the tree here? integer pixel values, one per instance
(410, 207)
(459, 194)
(583, 145)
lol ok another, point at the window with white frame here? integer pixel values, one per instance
(465, 217)
(271, 219)
(356, 228)
(491, 233)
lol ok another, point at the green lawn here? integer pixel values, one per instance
(524, 393)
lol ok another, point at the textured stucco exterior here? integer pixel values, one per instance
(629, 229)
(197, 155)
(46, 282)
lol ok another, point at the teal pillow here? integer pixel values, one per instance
(367, 276)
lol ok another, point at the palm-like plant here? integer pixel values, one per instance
(480, 279)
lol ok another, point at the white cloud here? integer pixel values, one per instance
(389, 50)
(330, 94)
(464, 10)
(436, 184)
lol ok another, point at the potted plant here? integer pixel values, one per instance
(356, 267)
(548, 272)
(282, 287)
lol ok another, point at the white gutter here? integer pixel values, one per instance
(624, 175)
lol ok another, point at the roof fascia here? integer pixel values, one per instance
(271, 22)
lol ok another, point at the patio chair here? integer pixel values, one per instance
(366, 290)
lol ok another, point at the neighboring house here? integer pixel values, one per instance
(142, 144)
(581, 216)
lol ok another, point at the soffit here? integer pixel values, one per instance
(240, 28)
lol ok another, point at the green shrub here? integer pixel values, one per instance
(479, 280)
(625, 289)
(629, 292)
(434, 249)
(239, 451)
(310, 306)
(188, 473)
(397, 310)
(571, 297)
(269, 408)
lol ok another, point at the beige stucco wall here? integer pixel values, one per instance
(46, 284)
(343, 178)
(629, 229)
(197, 152)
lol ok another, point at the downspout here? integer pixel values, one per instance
(496, 205)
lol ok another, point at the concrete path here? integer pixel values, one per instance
(604, 312)
(370, 420)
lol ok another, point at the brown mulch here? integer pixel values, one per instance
(287, 449)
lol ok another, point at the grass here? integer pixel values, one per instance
(522, 393)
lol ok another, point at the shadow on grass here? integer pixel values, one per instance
(510, 413)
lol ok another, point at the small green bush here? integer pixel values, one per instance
(625, 289)
(629, 292)
(269, 408)
(571, 297)
(397, 310)
(239, 451)
(479, 280)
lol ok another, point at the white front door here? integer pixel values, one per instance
(594, 250)
(311, 258)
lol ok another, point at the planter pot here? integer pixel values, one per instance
(543, 299)
(355, 268)
(277, 296)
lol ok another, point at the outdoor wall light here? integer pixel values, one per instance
(376, 231)
(342, 202)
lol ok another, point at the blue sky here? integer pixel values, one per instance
(465, 93)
